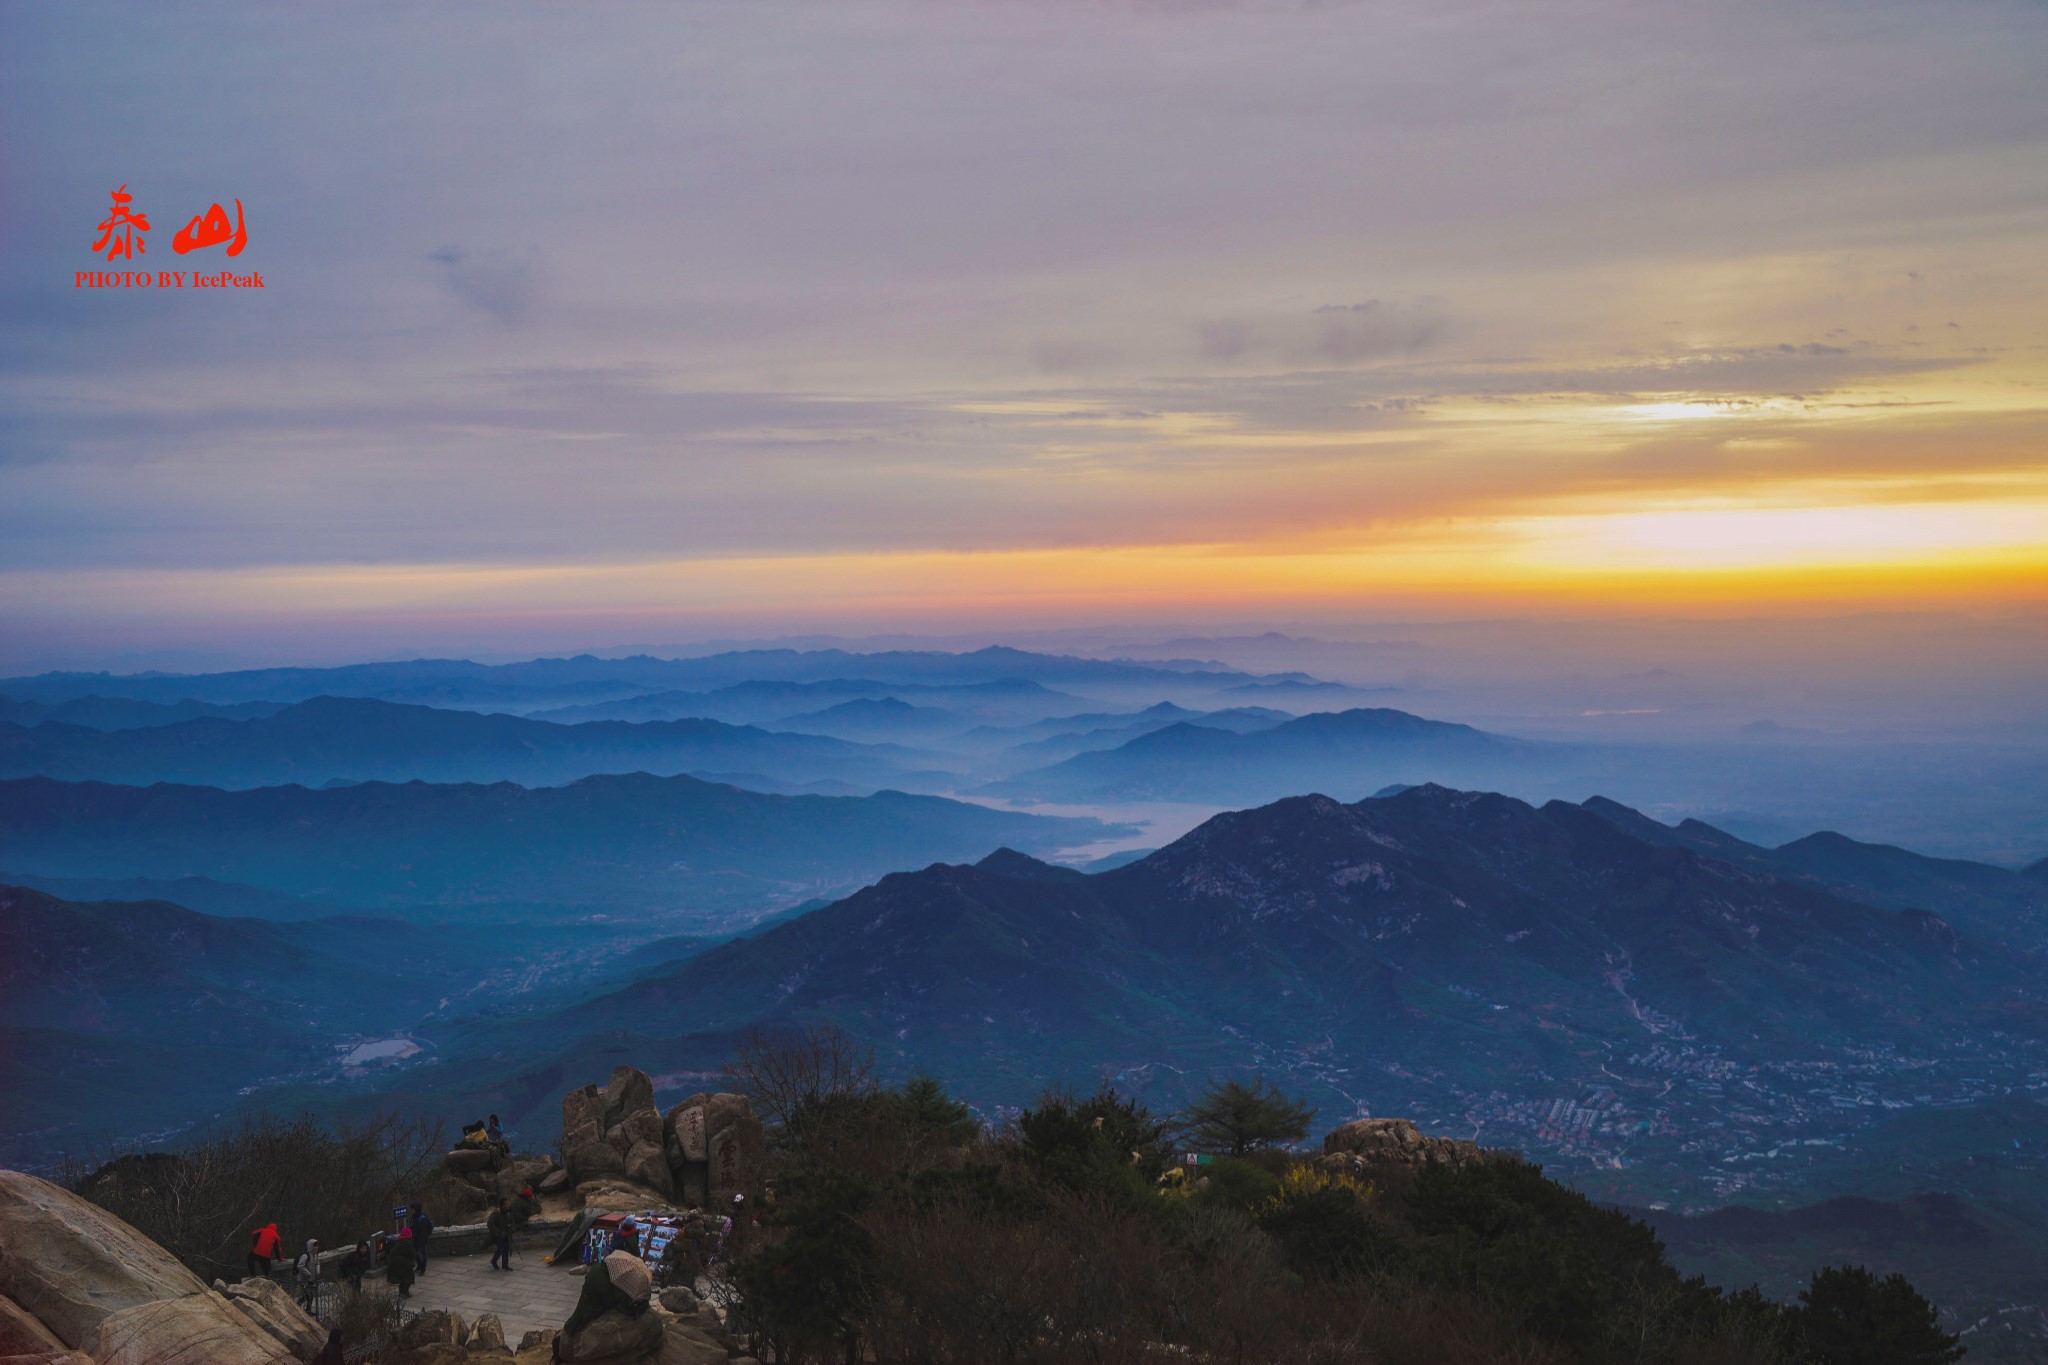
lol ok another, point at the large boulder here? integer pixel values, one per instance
(646, 1165)
(434, 1327)
(716, 1147)
(72, 1265)
(197, 1329)
(629, 1093)
(582, 1127)
(616, 1338)
(465, 1160)
(450, 1201)
(611, 1131)
(618, 1195)
(682, 1344)
(22, 1333)
(593, 1159)
(684, 1133)
(488, 1334)
(267, 1304)
(521, 1172)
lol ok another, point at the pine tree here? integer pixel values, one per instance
(1850, 1317)
(1234, 1117)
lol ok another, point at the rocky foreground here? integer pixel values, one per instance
(78, 1285)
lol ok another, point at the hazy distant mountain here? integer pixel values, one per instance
(877, 719)
(747, 703)
(1432, 932)
(122, 713)
(1128, 724)
(1300, 691)
(1350, 752)
(230, 900)
(360, 739)
(464, 682)
(758, 703)
(1064, 743)
(700, 851)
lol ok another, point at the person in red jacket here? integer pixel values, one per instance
(264, 1245)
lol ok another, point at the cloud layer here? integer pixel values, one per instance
(655, 285)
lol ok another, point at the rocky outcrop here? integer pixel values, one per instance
(1366, 1144)
(197, 1329)
(615, 1130)
(708, 1148)
(71, 1265)
(270, 1307)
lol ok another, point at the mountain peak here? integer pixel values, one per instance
(1008, 862)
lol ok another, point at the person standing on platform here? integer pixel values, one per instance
(499, 1225)
(398, 1263)
(306, 1272)
(421, 1227)
(356, 1264)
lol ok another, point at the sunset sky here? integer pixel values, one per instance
(715, 318)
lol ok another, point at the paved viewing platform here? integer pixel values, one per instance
(530, 1295)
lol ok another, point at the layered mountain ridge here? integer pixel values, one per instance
(1373, 950)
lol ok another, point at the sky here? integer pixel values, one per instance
(648, 321)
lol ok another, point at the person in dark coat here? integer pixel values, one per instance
(355, 1265)
(421, 1227)
(499, 1225)
(331, 1353)
(627, 1239)
(398, 1263)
